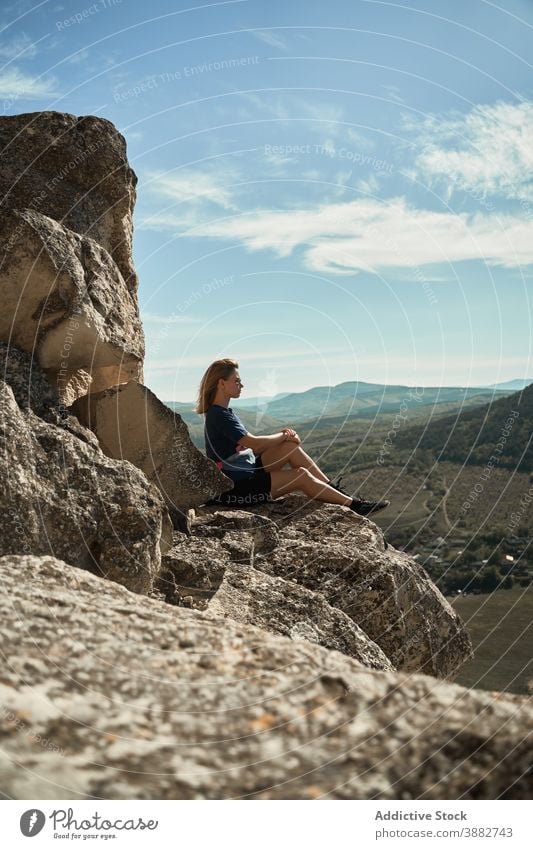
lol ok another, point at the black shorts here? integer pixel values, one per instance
(254, 489)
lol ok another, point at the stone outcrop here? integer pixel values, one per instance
(69, 291)
(110, 695)
(132, 424)
(229, 565)
(333, 551)
(283, 607)
(215, 574)
(75, 170)
(67, 280)
(64, 298)
(192, 571)
(61, 495)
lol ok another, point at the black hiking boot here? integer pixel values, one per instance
(364, 508)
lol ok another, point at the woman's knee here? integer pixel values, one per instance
(290, 479)
(296, 454)
(302, 476)
(295, 476)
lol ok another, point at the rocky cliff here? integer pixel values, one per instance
(155, 647)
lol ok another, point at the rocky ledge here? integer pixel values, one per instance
(108, 694)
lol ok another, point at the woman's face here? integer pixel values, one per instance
(233, 385)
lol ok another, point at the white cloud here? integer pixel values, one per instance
(194, 186)
(369, 186)
(312, 174)
(487, 151)
(80, 56)
(393, 93)
(316, 117)
(20, 47)
(356, 137)
(270, 38)
(278, 162)
(341, 178)
(13, 83)
(366, 235)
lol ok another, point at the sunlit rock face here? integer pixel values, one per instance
(67, 280)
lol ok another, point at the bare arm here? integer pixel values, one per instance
(259, 443)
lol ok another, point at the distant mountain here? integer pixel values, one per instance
(351, 398)
(258, 401)
(502, 430)
(512, 385)
(357, 398)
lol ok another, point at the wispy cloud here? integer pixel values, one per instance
(271, 38)
(369, 186)
(366, 235)
(488, 150)
(317, 117)
(356, 137)
(19, 47)
(14, 83)
(194, 186)
(76, 58)
(393, 93)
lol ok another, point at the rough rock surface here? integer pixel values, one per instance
(283, 607)
(110, 695)
(64, 298)
(191, 571)
(32, 391)
(61, 495)
(132, 424)
(215, 574)
(75, 170)
(66, 196)
(385, 592)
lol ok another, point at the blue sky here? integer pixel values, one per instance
(327, 191)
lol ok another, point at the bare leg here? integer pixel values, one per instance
(277, 456)
(293, 480)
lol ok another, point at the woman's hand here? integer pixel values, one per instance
(291, 435)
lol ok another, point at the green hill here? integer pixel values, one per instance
(501, 430)
(355, 398)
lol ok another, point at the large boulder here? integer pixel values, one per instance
(65, 298)
(344, 556)
(110, 695)
(61, 495)
(131, 423)
(283, 607)
(67, 278)
(73, 169)
(216, 574)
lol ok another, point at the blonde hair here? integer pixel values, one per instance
(209, 383)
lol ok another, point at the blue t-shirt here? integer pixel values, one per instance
(222, 431)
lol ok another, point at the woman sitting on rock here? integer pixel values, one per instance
(256, 463)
